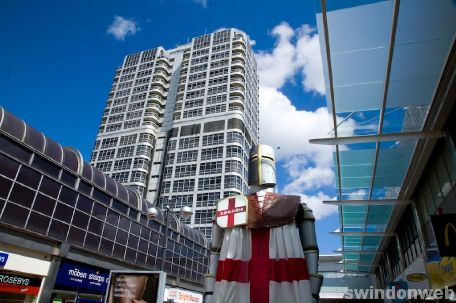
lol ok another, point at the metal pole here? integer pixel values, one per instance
(165, 245)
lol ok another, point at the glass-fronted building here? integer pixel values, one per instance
(389, 70)
(56, 210)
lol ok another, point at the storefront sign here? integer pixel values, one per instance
(445, 234)
(182, 296)
(139, 286)
(77, 276)
(3, 258)
(19, 284)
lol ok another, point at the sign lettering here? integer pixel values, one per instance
(445, 234)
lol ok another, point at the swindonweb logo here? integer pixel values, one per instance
(401, 294)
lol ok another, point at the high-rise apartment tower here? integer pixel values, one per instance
(178, 124)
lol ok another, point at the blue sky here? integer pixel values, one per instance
(57, 62)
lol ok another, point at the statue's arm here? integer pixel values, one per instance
(306, 227)
(215, 246)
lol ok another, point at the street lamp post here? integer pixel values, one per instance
(152, 213)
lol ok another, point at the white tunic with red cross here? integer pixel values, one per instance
(262, 265)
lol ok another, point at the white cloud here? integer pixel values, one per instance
(295, 51)
(308, 166)
(319, 209)
(203, 3)
(121, 27)
(309, 58)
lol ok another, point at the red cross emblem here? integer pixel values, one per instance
(232, 211)
(261, 270)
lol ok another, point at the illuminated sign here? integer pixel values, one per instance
(3, 258)
(445, 233)
(136, 286)
(75, 275)
(19, 284)
(182, 296)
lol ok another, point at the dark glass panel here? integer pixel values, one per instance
(112, 217)
(154, 225)
(87, 171)
(99, 178)
(92, 241)
(119, 251)
(135, 228)
(45, 166)
(143, 246)
(58, 230)
(49, 187)
(44, 204)
(141, 259)
(76, 236)
(154, 237)
(9, 167)
(122, 192)
(68, 196)
(53, 150)
(80, 219)
(5, 186)
(13, 125)
(124, 223)
(95, 226)
(121, 237)
(84, 204)
(145, 232)
(132, 198)
(151, 262)
(130, 255)
(14, 215)
(143, 219)
(109, 232)
(38, 223)
(85, 188)
(63, 212)
(28, 177)
(106, 246)
(133, 214)
(111, 186)
(14, 150)
(2, 203)
(22, 195)
(34, 138)
(70, 159)
(119, 206)
(99, 211)
(101, 197)
(133, 241)
(68, 179)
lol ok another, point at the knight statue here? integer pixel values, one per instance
(264, 247)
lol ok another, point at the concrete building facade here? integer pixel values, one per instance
(178, 124)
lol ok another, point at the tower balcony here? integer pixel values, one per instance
(239, 47)
(162, 66)
(238, 56)
(237, 91)
(158, 81)
(151, 116)
(237, 63)
(157, 90)
(154, 107)
(162, 74)
(237, 81)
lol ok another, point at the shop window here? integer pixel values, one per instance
(95, 226)
(38, 223)
(80, 219)
(76, 236)
(5, 186)
(22, 195)
(58, 230)
(63, 212)
(49, 187)
(28, 177)
(44, 204)
(92, 241)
